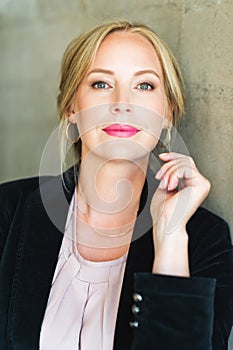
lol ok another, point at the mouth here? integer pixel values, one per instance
(119, 130)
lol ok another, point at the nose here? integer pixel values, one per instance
(121, 108)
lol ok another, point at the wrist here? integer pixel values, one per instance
(171, 254)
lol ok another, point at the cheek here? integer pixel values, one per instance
(161, 103)
(86, 99)
(156, 102)
(79, 100)
(79, 103)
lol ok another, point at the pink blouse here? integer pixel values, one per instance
(84, 297)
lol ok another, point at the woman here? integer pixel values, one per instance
(111, 255)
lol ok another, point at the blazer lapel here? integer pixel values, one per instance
(40, 240)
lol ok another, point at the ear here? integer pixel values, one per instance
(72, 111)
(71, 116)
(166, 123)
(168, 118)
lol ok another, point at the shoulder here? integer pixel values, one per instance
(14, 193)
(12, 198)
(15, 188)
(19, 186)
(204, 219)
(208, 234)
(210, 244)
(208, 231)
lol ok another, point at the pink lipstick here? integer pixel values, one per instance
(119, 130)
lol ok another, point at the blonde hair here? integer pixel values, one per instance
(81, 52)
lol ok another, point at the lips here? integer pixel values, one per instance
(119, 130)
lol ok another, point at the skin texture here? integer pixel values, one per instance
(127, 72)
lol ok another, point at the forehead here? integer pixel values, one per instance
(130, 49)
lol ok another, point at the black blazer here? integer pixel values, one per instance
(175, 312)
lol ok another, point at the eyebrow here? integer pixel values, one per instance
(146, 71)
(107, 71)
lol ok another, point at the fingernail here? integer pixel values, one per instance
(162, 184)
(158, 174)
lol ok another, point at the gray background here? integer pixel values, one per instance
(33, 36)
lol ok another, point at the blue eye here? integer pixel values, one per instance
(145, 86)
(100, 85)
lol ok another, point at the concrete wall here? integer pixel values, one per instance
(34, 34)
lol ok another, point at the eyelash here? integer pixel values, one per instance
(93, 85)
(148, 84)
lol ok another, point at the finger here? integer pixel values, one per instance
(170, 180)
(182, 161)
(165, 167)
(173, 182)
(177, 175)
(172, 155)
(167, 182)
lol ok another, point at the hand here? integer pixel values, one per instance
(181, 191)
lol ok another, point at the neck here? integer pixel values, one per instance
(111, 188)
(108, 197)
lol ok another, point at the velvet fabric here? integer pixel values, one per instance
(175, 312)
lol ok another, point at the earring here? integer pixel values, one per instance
(167, 142)
(72, 133)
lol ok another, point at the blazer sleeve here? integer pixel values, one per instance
(193, 313)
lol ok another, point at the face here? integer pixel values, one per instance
(121, 100)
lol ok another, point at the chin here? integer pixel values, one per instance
(120, 149)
